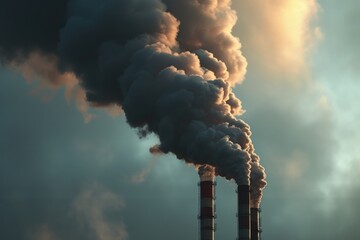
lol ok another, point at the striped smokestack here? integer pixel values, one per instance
(243, 212)
(207, 208)
(255, 223)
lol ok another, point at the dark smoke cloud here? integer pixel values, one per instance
(171, 73)
(207, 24)
(30, 25)
(258, 183)
(206, 172)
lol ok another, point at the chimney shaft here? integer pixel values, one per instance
(255, 223)
(207, 209)
(243, 212)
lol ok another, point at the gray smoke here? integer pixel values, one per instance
(206, 172)
(169, 64)
(257, 180)
(207, 24)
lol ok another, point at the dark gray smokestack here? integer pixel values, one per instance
(243, 212)
(207, 207)
(255, 223)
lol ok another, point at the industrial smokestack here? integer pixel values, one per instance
(243, 212)
(258, 183)
(207, 207)
(255, 223)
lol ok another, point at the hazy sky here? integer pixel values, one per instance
(64, 177)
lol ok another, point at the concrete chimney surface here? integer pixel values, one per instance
(243, 212)
(255, 223)
(207, 207)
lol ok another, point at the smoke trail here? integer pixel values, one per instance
(258, 183)
(90, 208)
(206, 171)
(169, 64)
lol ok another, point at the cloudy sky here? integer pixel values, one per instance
(69, 172)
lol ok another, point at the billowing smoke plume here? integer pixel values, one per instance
(207, 24)
(257, 180)
(169, 64)
(207, 172)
